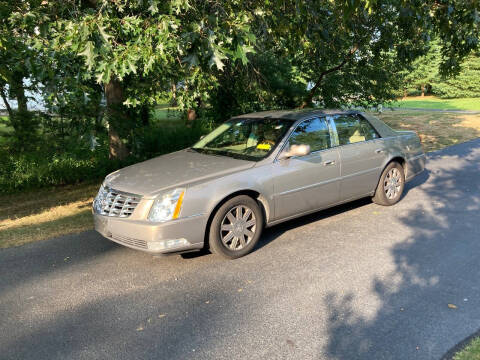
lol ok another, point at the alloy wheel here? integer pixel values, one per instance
(238, 227)
(392, 183)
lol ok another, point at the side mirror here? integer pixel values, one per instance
(295, 150)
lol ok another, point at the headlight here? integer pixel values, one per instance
(100, 199)
(167, 206)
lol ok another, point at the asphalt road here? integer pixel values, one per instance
(356, 282)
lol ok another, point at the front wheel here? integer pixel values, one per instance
(236, 227)
(390, 187)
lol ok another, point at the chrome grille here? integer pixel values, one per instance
(115, 203)
(129, 241)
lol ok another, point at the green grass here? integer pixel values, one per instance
(470, 352)
(42, 214)
(431, 102)
(5, 129)
(165, 113)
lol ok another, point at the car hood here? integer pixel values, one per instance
(180, 168)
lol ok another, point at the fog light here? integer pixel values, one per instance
(167, 244)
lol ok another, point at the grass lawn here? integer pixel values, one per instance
(436, 129)
(470, 352)
(42, 214)
(164, 113)
(432, 102)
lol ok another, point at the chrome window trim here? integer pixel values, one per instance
(373, 127)
(330, 121)
(289, 135)
(358, 142)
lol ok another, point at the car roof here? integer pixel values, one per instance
(295, 114)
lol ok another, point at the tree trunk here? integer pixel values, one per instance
(21, 120)
(145, 115)
(174, 94)
(116, 117)
(423, 90)
(19, 92)
(5, 102)
(191, 115)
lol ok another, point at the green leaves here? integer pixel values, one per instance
(192, 60)
(105, 36)
(89, 54)
(216, 59)
(241, 53)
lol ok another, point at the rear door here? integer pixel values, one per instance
(362, 153)
(308, 182)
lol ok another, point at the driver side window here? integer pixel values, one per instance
(313, 132)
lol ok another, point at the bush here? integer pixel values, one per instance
(76, 162)
(156, 140)
(33, 170)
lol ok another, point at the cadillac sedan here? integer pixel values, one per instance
(255, 171)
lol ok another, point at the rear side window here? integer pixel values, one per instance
(313, 132)
(352, 129)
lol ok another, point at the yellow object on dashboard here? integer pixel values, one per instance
(264, 146)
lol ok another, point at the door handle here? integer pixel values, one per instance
(330, 162)
(380, 151)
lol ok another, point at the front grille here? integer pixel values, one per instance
(129, 241)
(116, 203)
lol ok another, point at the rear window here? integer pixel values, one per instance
(353, 129)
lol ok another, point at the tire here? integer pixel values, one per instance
(232, 222)
(390, 187)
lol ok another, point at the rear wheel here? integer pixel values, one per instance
(390, 187)
(236, 227)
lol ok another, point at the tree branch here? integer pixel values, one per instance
(5, 101)
(313, 90)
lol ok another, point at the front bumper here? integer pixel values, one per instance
(178, 235)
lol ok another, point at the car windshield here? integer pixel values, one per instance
(248, 139)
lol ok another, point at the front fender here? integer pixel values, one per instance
(203, 198)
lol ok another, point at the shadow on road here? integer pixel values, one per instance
(445, 227)
(25, 263)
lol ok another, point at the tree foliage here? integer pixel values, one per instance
(465, 84)
(423, 72)
(221, 57)
(424, 75)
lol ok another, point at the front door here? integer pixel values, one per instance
(308, 182)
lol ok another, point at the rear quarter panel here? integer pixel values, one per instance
(406, 144)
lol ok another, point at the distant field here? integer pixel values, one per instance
(165, 113)
(436, 129)
(431, 102)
